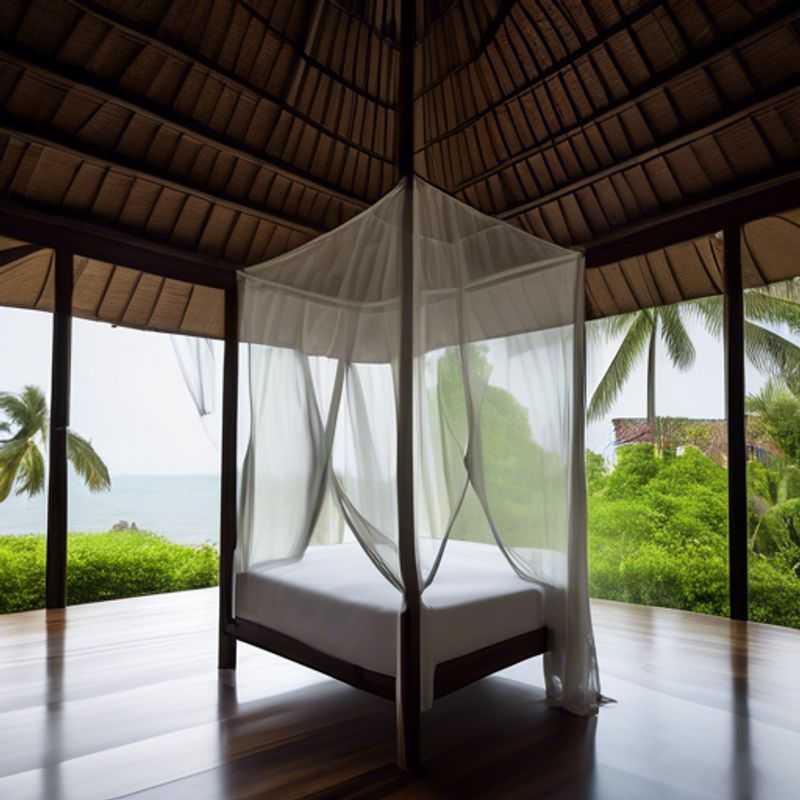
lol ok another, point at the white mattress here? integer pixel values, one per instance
(336, 601)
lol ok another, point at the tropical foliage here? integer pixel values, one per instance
(658, 535)
(103, 566)
(22, 454)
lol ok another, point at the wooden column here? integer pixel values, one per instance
(57, 516)
(230, 385)
(408, 678)
(735, 408)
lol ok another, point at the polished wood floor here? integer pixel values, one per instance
(123, 699)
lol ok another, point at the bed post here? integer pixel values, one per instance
(408, 676)
(230, 381)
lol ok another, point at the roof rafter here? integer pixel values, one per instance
(32, 135)
(646, 90)
(751, 201)
(730, 117)
(13, 254)
(110, 245)
(161, 115)
(783, 14)
(220, 73)
(645, 10)
(90, 7)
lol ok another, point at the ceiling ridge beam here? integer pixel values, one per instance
(741, 111)
(189, 128)
(645, 10)
(220, 73)
(781, 16)
(89, 6)
(33, 135)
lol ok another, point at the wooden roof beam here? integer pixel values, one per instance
(13, 254)
(141, 106)
(220, 73)
(733, 115)
(33, 135)
(112, 18)
(739, 206)
(783, 14)
(110, 245)
(347, 9)
(643, 11)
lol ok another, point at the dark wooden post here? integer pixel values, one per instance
(56, 569)
(408, 678)
(230, 385)
(737, 447)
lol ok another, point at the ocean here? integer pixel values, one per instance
(183, 508)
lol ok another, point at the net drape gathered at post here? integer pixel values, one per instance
(498, 387)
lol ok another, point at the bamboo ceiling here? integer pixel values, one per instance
(239, 129)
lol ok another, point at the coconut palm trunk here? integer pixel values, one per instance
(642, 331)
(651, 381)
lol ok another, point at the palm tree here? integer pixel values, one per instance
(22, 454)
(767, 351)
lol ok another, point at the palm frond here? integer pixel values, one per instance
(31, 472)
(676, 337)
(610, 327)
(630, 351)
(761, 306)
(11, 454)
(710, 311)
(769, 352)
(87, 463)
(760, 402)
(27, 411)
(787, 290)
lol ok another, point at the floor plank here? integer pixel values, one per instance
(122, 699)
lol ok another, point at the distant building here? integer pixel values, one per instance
(708, 435)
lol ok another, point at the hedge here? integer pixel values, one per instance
(103, 566)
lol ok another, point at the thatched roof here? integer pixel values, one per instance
(239, 129)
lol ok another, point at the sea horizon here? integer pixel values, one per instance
(184, 508)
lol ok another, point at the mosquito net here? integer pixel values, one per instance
(498, 394)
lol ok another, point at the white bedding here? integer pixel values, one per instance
(335, 600)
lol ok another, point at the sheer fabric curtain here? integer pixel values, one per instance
(498, 399)
(323, 328)
(500, 416)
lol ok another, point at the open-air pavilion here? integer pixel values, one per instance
(354, 190)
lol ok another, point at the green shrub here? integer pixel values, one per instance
(658, 535)
(103, 566)
(636, 466)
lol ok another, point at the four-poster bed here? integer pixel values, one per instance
(416, 379)
(492, 552)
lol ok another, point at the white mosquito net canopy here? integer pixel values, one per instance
(498, 407)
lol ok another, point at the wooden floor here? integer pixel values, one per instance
(123, 699)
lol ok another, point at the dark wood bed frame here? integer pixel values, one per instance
(449, 675)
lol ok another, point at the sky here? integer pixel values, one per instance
(128, 396)
(130, 400)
